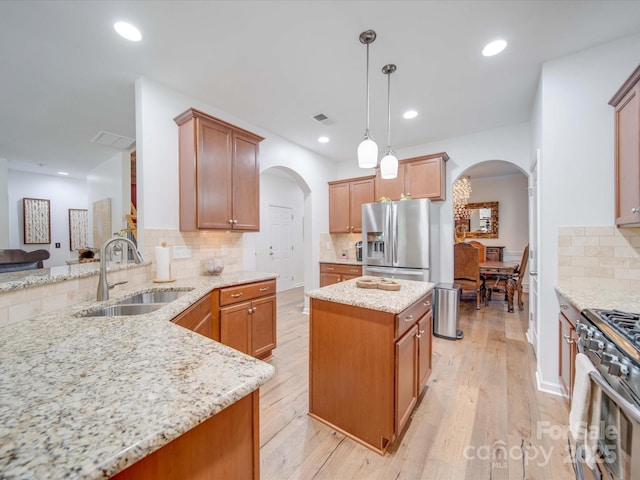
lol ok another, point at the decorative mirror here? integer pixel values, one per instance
(483, 220)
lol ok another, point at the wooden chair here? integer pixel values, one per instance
(501, 282)
(482, 250)
(466, 270)
(14, 260)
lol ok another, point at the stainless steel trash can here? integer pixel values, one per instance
(445, 311)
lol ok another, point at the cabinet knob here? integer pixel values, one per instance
(567, 339)
(635, 210)
(235, 221)
(230, 220)
(250, 310)
(419, 334)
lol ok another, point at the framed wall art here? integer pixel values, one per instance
(36, 220)
(78, 228)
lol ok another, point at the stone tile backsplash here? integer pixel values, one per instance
(599, 257)
(332, 245)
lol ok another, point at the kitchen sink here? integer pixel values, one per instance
(152, 297)
(137, 304)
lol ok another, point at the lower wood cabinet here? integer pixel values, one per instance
(247, 320)
(368, 368)
(331, 273)
(567, 347)
(225, 446)
(198, 317)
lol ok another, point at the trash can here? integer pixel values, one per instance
(445, 311)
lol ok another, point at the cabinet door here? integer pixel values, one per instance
(406, 377)
(627, 159)
(425, 179)
(390, 188)
(338, 211)
(198, 317)
(425, 327)
(213, 175)
(360, 192)
(205, 327)
(263, 326)
(246, 184)
(567, 354)
(329, 279)
(235, 330)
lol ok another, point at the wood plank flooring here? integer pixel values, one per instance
(480, 416)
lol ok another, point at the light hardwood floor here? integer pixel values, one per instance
(480, 416)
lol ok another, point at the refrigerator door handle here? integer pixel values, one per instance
(394, 233)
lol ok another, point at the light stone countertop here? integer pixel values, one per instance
(372, 298)
(87, 397)
(348, 261)
(598, 298)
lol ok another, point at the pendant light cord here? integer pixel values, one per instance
(389, 111)
(367, 132)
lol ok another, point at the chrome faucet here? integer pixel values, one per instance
(103, 285)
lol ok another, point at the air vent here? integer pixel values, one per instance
(322, 118)
(114, 141)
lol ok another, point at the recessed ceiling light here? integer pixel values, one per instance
(410, 114)
(494, 48)
(63, 173)
(128, 31)
(323, 139)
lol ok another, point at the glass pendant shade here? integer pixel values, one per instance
(389, 166)
(367, 153)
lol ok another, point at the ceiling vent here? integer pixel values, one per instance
(114, 141)
(322, 118)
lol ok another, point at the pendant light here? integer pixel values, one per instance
(389, 163)
(367, 150)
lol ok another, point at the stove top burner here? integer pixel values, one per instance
(627, 324)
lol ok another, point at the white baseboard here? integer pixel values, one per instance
(548, 387)
(305, 311)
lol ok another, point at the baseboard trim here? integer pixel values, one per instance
(548, 387)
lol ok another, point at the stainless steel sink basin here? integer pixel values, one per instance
(152, 297)
(138, 304)
(117, 310)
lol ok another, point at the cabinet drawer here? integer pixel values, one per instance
(568, 310)
(411, 315)
(342, 269)
(241, 293)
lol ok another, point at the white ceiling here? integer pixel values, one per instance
(65, 75)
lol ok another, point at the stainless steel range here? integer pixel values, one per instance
(611, 340)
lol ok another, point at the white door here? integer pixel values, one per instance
(532, 333)
(281, 245)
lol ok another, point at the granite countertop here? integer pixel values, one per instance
(581, 298)
(372, 298)
(87, 397)
(342, 261)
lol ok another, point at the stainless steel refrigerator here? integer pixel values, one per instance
(395, 239)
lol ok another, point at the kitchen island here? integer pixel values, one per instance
(369, 358)
(88, 397)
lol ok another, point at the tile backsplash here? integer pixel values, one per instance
(332, 245)
(599, 256)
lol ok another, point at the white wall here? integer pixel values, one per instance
(513, 219)
(157, 155)
(63, 192)
(110, 179)
(4, 203)
(576, 186)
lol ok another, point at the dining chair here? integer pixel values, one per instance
(501, 282)
(466, 271)
(482, 250)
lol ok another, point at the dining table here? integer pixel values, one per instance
(501, 270)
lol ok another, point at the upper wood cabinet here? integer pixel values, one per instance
(419, 177)
(627, 151)
(219, 174)
(352, 192)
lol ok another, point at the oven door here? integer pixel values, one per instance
(618, 438)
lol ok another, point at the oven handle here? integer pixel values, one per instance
(628, 408)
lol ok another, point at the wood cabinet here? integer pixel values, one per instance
(225, 446)
(626, 102)
(345, 203)
(368, 388)
(331, 273)
(567, 338)
(419, 177)
(247, 320)
(198, 317)
(219, 174)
